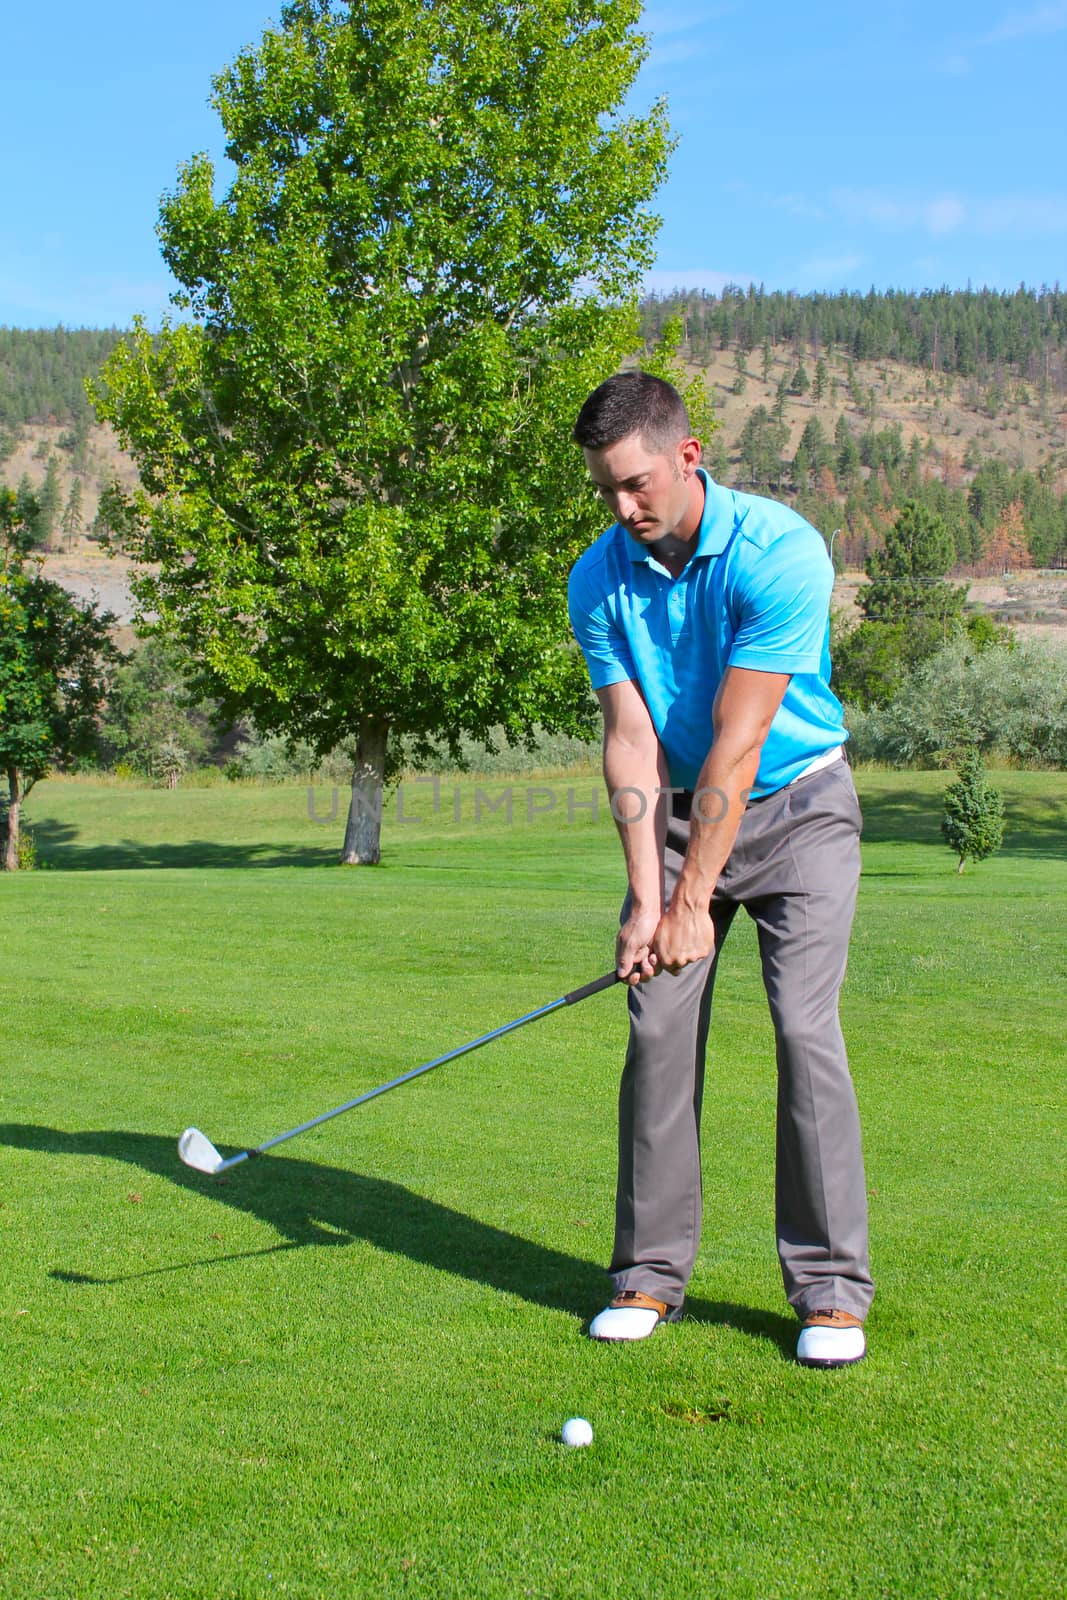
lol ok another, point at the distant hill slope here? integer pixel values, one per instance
(988, 386)
(980, 333)
(945, 413)
(43, 372)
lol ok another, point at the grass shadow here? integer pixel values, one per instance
(314, 1205)
(57, 844)
(318, 1205)
(1036, 826)
(755, 1323)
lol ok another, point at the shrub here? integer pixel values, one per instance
(973, 823)
(546, 752)
(271, 758)
(1007, 703)
(152, 724)
(28, 859)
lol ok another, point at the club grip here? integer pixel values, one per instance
(587, 989)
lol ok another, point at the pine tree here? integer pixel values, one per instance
(973, 823)
(49, 499)
(26, 510)
(766, 359)
(740, 381)
(815, 443)
(909, 610)
(716, 459)
(848, 452)
(72, 515)
(852, 382)
(760, 445)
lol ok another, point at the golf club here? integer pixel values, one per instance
(197, 1150)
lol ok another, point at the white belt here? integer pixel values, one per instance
(827, 759)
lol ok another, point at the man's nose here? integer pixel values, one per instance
(626, 505)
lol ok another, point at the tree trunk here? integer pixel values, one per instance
(11, 834)
(363, 830)
(962, 860)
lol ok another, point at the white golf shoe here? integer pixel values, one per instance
(631, 1315)
(831, 1339)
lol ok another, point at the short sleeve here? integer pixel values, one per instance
(603, 643)
(783, 604)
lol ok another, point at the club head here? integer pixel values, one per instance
(197, 1151)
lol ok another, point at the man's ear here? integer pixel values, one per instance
(689, 454)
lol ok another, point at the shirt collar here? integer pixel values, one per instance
(713, 535)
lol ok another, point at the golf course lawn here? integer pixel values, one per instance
(342, 1370)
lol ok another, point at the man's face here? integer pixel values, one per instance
(647, 493)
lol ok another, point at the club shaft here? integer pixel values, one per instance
(427, 1066)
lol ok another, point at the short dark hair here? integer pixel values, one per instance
(632, 402)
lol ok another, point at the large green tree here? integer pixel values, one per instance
(361, 497)
(55, 658)
(907, 576)
(909, 611)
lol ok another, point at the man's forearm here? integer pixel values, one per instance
(635, 780)
(719, 801)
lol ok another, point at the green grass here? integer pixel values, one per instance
(343, 1370)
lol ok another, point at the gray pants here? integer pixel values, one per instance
(795, 869)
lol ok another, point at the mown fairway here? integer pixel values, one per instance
(343, 1370)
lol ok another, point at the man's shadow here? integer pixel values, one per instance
(314, 1205)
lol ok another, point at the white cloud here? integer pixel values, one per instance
(795, 204)
(1026, 215)
(660, 21)
(678, 35)
(34, 296)
(897, 214)
(828, 272)
(943, 216)
(1023, 214)
(662, 280)
(676, 51)
(956, 66)
(1024, 24)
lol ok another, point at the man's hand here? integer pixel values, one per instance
(634, 960)
(685, 934)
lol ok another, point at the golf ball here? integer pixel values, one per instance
(576, 1431)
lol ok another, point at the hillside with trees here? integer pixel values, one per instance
(852, 405)
(970, 333)
(848, 405)
(940, 483)
(43, 372)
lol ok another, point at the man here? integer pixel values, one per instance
(703, 618)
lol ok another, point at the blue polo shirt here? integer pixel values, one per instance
(755, 593)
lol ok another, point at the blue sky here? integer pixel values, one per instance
(821, 147)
